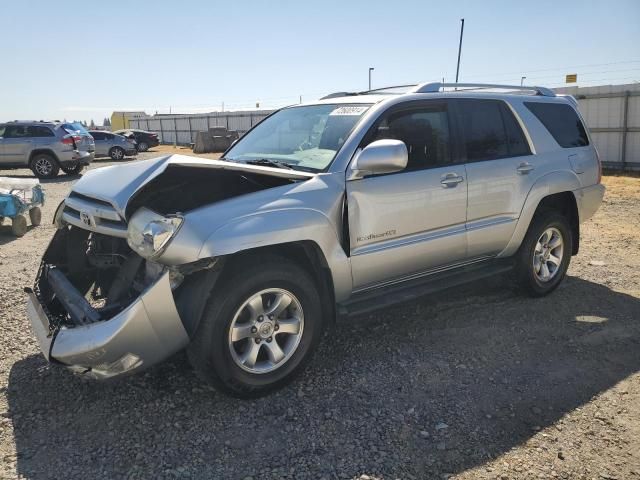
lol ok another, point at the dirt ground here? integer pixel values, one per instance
(474, 383)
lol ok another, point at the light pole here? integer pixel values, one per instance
(371, 69)
(460, 48)
(522, 79)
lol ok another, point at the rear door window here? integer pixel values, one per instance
(39, 131)
(562, 122)
(490, 130)
(97, 135)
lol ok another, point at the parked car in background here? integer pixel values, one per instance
(144, 140)
(337, 207)
(112, 145)
(45, 147)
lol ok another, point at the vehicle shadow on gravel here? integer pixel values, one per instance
(431, 387)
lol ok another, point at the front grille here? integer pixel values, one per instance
(94, 215)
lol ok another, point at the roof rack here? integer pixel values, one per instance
(435, 87)
(339, 94)
(365, 92)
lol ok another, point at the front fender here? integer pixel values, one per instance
(284, 226)
(549, 184)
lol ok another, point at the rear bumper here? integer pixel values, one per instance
(148, 331)
(589, 200)
(77, 157)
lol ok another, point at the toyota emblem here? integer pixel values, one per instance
(86, 219)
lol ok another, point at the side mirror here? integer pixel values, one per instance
(381, 156)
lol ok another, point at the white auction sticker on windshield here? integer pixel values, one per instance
(350, 110)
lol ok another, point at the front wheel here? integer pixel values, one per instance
(19, 226)
(259, 329)
(44, 166)
(545, 253)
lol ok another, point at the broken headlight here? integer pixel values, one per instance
(149, 233)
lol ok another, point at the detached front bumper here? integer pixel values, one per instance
(146, 332)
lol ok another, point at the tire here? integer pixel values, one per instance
(116, 153)
(75, 170)
(19, 226)
(142, 146)
(44, 166)
(538, 249)
(217, 358)
(35, 214)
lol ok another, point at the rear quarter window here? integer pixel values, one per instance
(562, 122)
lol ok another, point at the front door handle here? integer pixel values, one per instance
(450, 180)
(524, 168)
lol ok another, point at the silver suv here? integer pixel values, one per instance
(323, 210)
(45, 147)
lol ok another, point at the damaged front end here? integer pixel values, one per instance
(102, 310)
(123, 283)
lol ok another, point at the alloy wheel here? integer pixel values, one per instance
(43, 166)
(548, 254)
(266, 330)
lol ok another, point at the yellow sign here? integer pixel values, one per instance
(572, 78)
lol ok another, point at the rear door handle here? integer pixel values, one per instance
(524, 168)
(450, 180)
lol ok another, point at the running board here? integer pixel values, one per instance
(382, 297)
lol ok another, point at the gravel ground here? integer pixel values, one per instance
(477, 382)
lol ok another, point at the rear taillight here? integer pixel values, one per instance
(599, 166)
(71, 140)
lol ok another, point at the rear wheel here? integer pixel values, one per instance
(35, 214)
(116, 153)
(44, 166)
(545, 253)
(143, 146)
(259, 329)
(74, 170)
(19, 226)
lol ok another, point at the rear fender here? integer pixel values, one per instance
(549, 184)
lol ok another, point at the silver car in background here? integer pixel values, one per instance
(114, 146)
(45, 147)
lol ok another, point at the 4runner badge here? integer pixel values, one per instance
(375, 236)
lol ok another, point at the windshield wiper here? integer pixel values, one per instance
(269, 163)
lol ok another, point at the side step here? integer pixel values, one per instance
(377, 298)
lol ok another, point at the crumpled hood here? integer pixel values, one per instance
(118, 183)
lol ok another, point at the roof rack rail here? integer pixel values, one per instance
(435, 87)
(339, 94)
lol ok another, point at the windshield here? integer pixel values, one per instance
(304, 138)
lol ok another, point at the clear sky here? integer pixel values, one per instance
(81, 60)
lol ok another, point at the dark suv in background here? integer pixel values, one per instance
(144, 140)
(45, 147)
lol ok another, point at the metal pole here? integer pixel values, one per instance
(190, 134)
(625, 128)
(460, 48)
(175, 131)
(371, 69)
